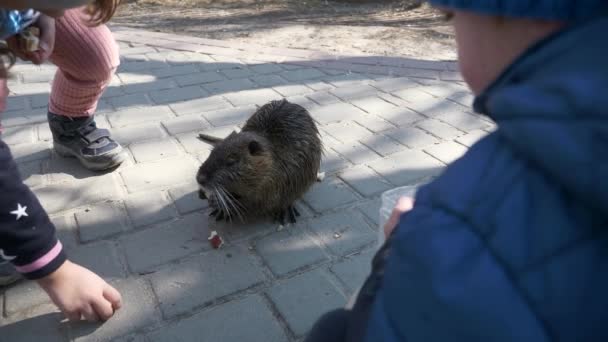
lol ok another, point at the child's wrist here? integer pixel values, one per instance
(53, 277)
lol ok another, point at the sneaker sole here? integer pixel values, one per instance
(117, 159)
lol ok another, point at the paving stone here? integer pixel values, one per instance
(293, 90)
(364, 180)
(237, 73)
(45, 323)
(148, 249)
(463, 121)
(257, 96)
(198, 78)
(139, 115)
(401, 116)
(354, 271)
(412, 137)
(131, 100)
(107, 267)
(332, 162)
(230, 116)
(269, 80)
(356, 152)
(303, 101)
(266, 68)
(185, 124)
(149, 207)
(23, 153)
(160, 174)
(58, 197)
(318, 85)
(323, 98)
(134, 133)
(22, 296)
(382, 144)
(436, 107)
(329, 194)
(342, 233)
(374, 123)
(289, 250)
(447, 152)
(198, 106)
(133, 88)
(139, 310)
(18, 135)
(464, 98)
(101, 220)
(254, 320)
(371, 210)
(136, 78)
(335, 112)
(346, 131)
(200, 281)
(228, 86)
(472, 137)
(17, 103)
(407, 167)
(395, 84)
(439, 129)
(152, 150)
(31, 173)
(347, 80)
(355, 92)
(66, 229)
(31, 88)
(191, 143)
(301, 300)
(302, 74)
(173, 71)
(177, 94)
(186, 198)
(23, 117)
(373, 105)
(39, 100)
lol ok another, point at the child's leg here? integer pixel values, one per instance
(87, 57)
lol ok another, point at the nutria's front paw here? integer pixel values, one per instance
(219, 215)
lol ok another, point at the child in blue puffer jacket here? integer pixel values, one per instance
(511, 242)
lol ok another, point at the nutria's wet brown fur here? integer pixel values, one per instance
(266, 167)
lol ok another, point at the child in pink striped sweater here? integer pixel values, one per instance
(87, 57)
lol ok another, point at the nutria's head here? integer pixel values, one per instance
(236, 167)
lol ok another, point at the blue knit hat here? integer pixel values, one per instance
(562, 10)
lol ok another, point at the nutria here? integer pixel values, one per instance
(266, 167)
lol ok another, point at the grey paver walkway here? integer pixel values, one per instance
(386, 122)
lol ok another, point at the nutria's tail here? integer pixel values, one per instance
(209, 139)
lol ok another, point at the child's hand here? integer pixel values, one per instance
(79, 293)
(404, 205)
(46, 25)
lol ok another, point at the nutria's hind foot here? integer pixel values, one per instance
(291, 213)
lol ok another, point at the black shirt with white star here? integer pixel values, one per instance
(27, 236)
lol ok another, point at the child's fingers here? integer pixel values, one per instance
(73, 316)
(89, 313)
(113, 296)
(404, 204)
(102, 308)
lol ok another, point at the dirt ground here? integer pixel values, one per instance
(385, 28)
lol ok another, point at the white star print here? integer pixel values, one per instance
(6, 257)
(20, 211)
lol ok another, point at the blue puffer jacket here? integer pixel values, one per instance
(511, 242)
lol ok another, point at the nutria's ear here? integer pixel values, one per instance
(209, 139)
(255, 148)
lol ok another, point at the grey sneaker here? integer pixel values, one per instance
(80, 138)
(8, 274)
